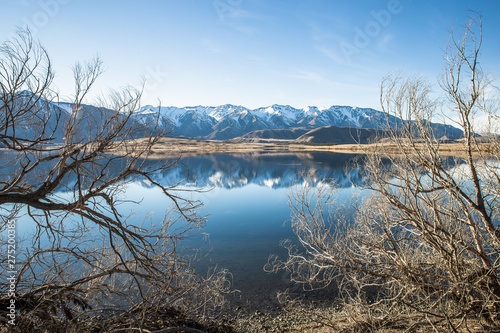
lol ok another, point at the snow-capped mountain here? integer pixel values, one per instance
(222, 122)
(229, 121)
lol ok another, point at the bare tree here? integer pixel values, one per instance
(63, 167)
(424, 245)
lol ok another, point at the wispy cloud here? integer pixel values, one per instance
(245, 21)
(329, 43)
(212, 46)
(320, 79)
(331, 53)
(245, 29)
(241, 13)
(19, 2)
(334, 53)
(309, 76)
(315, 77)
(383, 43)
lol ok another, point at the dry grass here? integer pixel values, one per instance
(306, 319)
(174, 147)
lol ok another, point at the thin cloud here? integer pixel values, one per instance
(330, 53)
(309, 76)
(212, 46)
(316, 77)
(335, 54)
(320, 79)
(20, 2)
(384, 43)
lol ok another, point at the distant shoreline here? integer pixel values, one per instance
(177, 147)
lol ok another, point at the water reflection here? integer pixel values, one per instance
(245, 197)
(248, 208)
(270, 170)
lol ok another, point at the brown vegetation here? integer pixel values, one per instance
(422, 251)
(175, 147)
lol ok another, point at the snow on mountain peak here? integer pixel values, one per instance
(229, 121)
(222, 111)
(148, 109)
(271, 110)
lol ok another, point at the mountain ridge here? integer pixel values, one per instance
(228, 121)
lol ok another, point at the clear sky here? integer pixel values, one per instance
(251, 52)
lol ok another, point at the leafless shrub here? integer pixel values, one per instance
(84, 261)
(423, 247)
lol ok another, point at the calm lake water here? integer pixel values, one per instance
(247, 204)
(246, 200)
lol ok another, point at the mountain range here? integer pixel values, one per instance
(237, 123)
(336, 124)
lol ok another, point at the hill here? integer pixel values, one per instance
(271, 135)
(341, 135)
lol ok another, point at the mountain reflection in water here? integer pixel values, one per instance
(247, 204)
(270, 170)
(245, 197)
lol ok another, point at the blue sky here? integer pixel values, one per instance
(251, 52)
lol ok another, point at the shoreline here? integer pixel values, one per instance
(178, 147)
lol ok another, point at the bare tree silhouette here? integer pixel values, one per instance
(61, 170)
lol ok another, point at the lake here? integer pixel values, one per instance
(246, 198)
